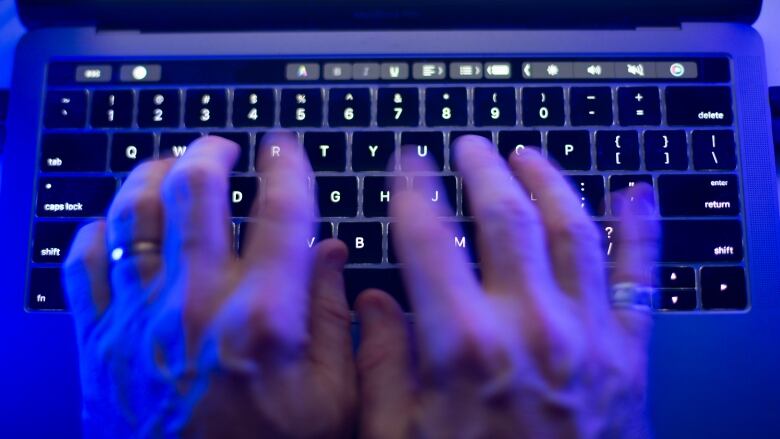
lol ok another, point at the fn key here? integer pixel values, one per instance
(46, 293)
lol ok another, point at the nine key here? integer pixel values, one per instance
(349, 107)
(495, 106)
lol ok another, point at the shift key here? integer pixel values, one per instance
(75, 197)
(701, 241)
(698, 195)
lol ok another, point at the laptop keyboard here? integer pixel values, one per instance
(609, 125)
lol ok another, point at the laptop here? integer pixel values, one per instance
(672, 93)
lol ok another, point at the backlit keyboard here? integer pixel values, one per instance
(609, 124)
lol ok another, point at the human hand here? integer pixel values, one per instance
(180, 336)
(534, 349)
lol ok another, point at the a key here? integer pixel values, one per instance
(327, 151)
(676, 300)
(176, 144)
(723, 288)
(666, 150)
(676, 277)
(495, 106)
(301, 107)
(590, 192)
(571, 149)
(639, 106)
(699, 106)
(243, 163)
(690, 241)
(130, 149)
(373, 150)
(337, 196)
(617, 150)
(253, 107)
(357, 280)
(65, 109)
(446, 107)
(698, 195)
(206, 108)
(349, 107)
(444, 191)
(112, 108)
(426, 144)
(512, 142)
(543, 106)
(398, 107)
(158, 108)
(51, 241)
(376, 196)
(46, 292)
(75, 197)
(243, 191)
(83, 152)
(591, 106)
(364, 241)
(714, 150)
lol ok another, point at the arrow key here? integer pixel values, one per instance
(676, 277)
(723, 288)
(676, 300)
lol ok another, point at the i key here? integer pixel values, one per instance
(398, 107)
(349, 107)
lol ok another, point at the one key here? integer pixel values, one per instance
(253, 107)
(75, 197)
(446, 107)
(130, 149)
(364, 241)
(426, 144)
(437, 196)
(571, 149)
(176, 144)
(512, 142)
(617, 150)
(51, 241)
(701, 241)
(590, 191)
(376, 196)
(699, 106)
(698, 195)
(666, 150)
(372, 150)
(242, 139)
(357, 280)
(714, 150)
(676, 300)
(84, 152)
(639, 106)
(327, 151)
(337, 196)
(349, 107)
(158, 108)
(301, 107)
(206, 108)
(543, 107)
(112, 109)
(65, 109)
(591, 106)
(398, 107)
(495, 107)
(243, 191)
(723, 288)
(46, 292)
(676, 277)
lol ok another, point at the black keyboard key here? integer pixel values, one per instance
(617, 150)
(364, 241)
(510, 142)
(495, 107)
(75, 197)
(676, 277)
(46, 292)
(3, 105)
(639, 106)
(701, 241)
(454, 135)
(590, 192)
(51, 241)
(698, 195)
(398, 107)
(426, 144)
(65, 109)
(543, 107)
(676, 300)
(176, 144)
(206, 108)
(699, 106)
(112, 108)
(445, 190)
(666, 150)
(609, 236)
(464, 239)
(253, 107)
(723, 288)
(84, 152)
(243, 162)
(130, 149)
(392, 256)
(349, 107)
(337, 196)
(620, 182)
(357, 280)
(327, 151)
(301, 107)
(321, 232)
(372, 150)
(158, 108)
(446, 107)
(714, 150)
(243, 191)
(376, 196)
(571, 149)
(591, 106)
(324, 230)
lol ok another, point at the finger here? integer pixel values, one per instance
(511, 246)
(384, 367)
(136, 216)
(573, 240)
(85, 276)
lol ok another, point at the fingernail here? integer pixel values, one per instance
(371, 310)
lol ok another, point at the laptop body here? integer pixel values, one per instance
(713, 356)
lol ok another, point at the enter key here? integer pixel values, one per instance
(698, 195)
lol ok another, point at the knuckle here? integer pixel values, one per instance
(195, 179)
(269, 332)
(142, 204)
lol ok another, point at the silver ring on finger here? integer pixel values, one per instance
(632, 296)
(137, 248)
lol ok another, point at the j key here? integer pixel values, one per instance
(75, 197)
(701, 241)
(464, 238)
(243, 163)
(51, 241)
(372, 151)
(676, 277)
(130, 149)
(206, 108)
(443, 191)
(364, 241)
(46, 292)
(158, 108)
(349, 107)
(714, 150)
(301, 107)
(639, 106)
(74, 152)
(426, 144)
(571, 149)
(357, 280)
(454, 135)
(666, 150)
(398, 107)
(242, 195)
(446, 107)
(723, 288)
(676, 300)
(376, 196)
(698, 195)
(327, 151)
(66, 109)
(176, 144)
(699, 106)
(112, 109)
(590, 192)
(253, 107)
(510, 142)
(543, 107)
(617, 150)
(337, 196)
(495, 107)
(591, 106)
